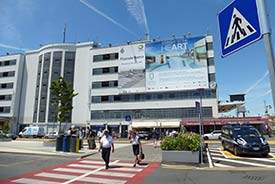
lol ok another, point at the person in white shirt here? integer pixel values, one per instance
(106, 143)
(136, 144)
(100, 134)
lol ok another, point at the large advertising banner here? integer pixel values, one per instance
(179, 64)
(131, 74)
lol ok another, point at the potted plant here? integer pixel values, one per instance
(182, 148)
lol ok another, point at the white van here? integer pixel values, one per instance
(32, 132)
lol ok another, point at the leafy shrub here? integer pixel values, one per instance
(184, 141)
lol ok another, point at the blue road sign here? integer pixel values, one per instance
(128, 118)
(239, 25)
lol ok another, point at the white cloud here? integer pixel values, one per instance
(107, 17)
(136, 9)
(12, 47)
(254, 85)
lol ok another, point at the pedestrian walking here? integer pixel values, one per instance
(137, 147)
(106, 144)
(100, 134)
(155, 136)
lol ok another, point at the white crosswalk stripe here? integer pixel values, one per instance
(85, 171)
(222, 165)
(243, 162)
(33, 181)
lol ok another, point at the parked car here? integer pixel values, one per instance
(51, 135)
(12, 136)
(244, 139)
(144, 135)
(32, 132)
(213, 135)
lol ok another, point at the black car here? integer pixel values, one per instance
(144, 135)
(244, 139)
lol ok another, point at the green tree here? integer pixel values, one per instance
(62, 95)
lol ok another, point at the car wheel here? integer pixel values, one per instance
(265, 154)
(223, 146)
(146, 138)
(235, 150)
(205, 138)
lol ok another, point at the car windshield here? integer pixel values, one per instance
(246, 132)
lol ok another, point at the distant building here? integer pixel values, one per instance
(11, 71)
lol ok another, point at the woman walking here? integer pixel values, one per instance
(137, 147)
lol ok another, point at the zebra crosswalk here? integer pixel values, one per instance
(87, 171)
(225, 159)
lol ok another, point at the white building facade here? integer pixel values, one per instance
(11, 70)
(152, 84)
(45, 65)
(138, 85)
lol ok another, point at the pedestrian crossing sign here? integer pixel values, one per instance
(239, 25)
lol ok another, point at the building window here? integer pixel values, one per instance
(6, 86)
(182, 95)
(5, 97)
(209, 46)
(212, 77)
(210, 62)
(7, 74)
(110, 70)
(105, 57)
(5, 109)
(8, 62)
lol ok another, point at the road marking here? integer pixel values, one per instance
(261, 159)
(102, 180)
(222, 165)
(88, 173)
(54, 175)
(243, 162)
(72, 170)
(103, 173)
(228, 154)
(84, 166)
(125, 169)
(117, 164)
(209, 158)
(216, 154)
(34, 181)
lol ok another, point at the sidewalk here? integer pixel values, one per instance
(37, 147)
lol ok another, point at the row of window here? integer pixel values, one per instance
(105, 57)
(5, 97)
(6, 86)
(109, 70)
(104, 84)
(171, 113)
(5, 109)
(154, 96)
(7, 74)
(8, 62)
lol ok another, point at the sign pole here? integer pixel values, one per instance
(265, 26)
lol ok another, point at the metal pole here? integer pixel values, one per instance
(201, 127)
(266, 30)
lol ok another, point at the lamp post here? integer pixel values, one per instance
(199, 108)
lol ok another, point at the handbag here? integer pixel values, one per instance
(141, 156)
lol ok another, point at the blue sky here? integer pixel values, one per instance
(26, 24)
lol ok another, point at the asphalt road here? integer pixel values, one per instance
(16, 164)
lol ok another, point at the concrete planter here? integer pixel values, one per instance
(180, 156)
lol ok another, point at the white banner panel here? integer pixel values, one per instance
(179, 64)
(131, 78)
